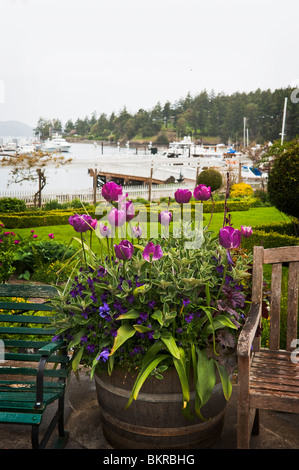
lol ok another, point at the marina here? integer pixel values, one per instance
(137, 170)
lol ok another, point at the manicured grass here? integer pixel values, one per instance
(254, 216)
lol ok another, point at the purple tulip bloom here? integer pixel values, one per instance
(104, 230)
(182, 196)
(137, 231)
(124, 250)
(128, 207)
(152, 252)
(246, 231)
(111, 191)
(202, 192)
(229, 237)
(82, 223)
(165, 218)
(117, 218)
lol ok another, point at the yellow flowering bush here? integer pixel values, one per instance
(241, 190)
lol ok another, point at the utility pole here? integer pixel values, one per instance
(284, 119)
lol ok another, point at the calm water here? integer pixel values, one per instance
(75, 175)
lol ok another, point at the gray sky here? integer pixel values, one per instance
(68, 58)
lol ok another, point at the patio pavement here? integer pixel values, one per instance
(82, 420)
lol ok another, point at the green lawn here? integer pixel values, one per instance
(254, 216)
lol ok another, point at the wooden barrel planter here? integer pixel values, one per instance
(155, 420)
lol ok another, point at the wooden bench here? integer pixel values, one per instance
(29, 351)
(268, 378)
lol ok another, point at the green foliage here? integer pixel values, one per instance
(40, 255)
(268, 240)
(283, 181)
(210, 177)
(9, 204)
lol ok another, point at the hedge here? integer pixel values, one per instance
(60, 217)
(284, 228)
(268, 240)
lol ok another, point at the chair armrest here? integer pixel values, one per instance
(248, 332)
(49, 348)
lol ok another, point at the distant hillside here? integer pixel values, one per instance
(15, 129)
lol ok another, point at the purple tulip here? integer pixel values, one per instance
(104, 230)
(124, 250)
(137, 231)
(152, 252)
(117, 218)
(111, 191)
(82, 223)
(165, 218)
(202, 192)
(246, 231)
(182, 196)
(128, 207)
(229, 237)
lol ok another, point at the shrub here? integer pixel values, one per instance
(283, 187)
(35, 255)
(268, 240)
(9, 204)
(210, 177)
(241, 190)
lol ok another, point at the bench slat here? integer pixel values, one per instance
(20, 343)
(24, 319)
(20, 418)
(34, 357)
(43, 307)
(33, 372)
(27, 291)
(11, 330)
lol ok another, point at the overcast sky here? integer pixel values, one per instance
(68, 58)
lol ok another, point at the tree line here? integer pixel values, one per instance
(202, 116)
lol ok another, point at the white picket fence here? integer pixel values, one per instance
(86, 195)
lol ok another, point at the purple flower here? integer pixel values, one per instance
(51, 235)
(186, 302)
(229, 237)
(202, 192)
(111, 191)
(152, 252)
(82, 223)
(117, 218)
(104, 310)
(137, 231)
(189, 317)
(103, 355)
(164, 218)
(182, 196)
(246, 231)
(128, 207)
(151, 303)
(104, 230)
(124, 250)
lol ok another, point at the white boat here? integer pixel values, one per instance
(187, 148)
(251, 174)
(9, 146)
(56, 144)
(26, 148)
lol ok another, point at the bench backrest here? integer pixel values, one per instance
(277, 257)
(25, 326)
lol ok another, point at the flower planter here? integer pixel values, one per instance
(155, 419)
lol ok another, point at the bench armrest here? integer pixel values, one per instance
(248, 332)
(49, 348)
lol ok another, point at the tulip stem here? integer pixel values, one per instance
(109, 254)
(84, 254)
(223, 279)
(182, 230)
